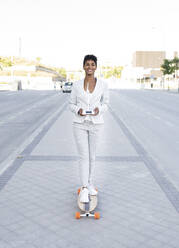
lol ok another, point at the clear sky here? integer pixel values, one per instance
(62, 32)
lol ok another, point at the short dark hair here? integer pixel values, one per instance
(90, 57)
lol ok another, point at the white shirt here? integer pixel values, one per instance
(80, 98)
(88, 117)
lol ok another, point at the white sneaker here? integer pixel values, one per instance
(84, 195)
(92, 190)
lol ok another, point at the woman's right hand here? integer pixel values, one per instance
(80, 112)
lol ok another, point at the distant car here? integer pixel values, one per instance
(66, 88)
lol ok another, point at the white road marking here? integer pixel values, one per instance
(148, 113)
(157, 117)
(169, 124)
(12, 93)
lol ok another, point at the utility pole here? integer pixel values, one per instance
(12, 70)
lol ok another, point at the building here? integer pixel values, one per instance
(149, 60)
(30, 77)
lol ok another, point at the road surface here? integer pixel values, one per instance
(152, 117)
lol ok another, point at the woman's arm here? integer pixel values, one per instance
(73, 101)
(104, 100)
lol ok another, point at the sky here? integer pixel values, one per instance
(62, 32)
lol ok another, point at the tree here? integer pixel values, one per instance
(175, 63)
(167, 67)
(62, 72)
(112, 71)
(170, 66)
(38, 60)
(5, 62)
(71, 76)
(117, 71)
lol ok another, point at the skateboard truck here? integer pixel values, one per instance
(78, 215)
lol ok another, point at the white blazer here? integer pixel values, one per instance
(79, 98)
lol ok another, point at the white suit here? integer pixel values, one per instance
(81, 99)
(87, 128)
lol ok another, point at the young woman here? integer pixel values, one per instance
(88, 101)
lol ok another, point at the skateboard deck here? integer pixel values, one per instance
(87, 208)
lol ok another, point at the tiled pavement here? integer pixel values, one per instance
(137, 203)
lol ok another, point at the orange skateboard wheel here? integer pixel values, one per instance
(96, 215)
(77, 215)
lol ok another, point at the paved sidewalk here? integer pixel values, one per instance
(38, 193)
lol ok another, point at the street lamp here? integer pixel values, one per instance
(176, 67)
(177, 74)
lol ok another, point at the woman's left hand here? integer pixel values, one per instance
(96, 111)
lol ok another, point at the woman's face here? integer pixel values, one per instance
(89, 67)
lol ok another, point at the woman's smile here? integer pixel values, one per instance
(90, 67)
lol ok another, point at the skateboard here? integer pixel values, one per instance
(87, 208)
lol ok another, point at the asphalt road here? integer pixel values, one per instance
(151, 116)
(21, 113)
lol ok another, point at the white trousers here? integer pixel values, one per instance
(87, 137)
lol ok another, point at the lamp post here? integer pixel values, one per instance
(176, 67)
(12, 69)
(177, 74)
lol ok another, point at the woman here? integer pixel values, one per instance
(88, 101)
